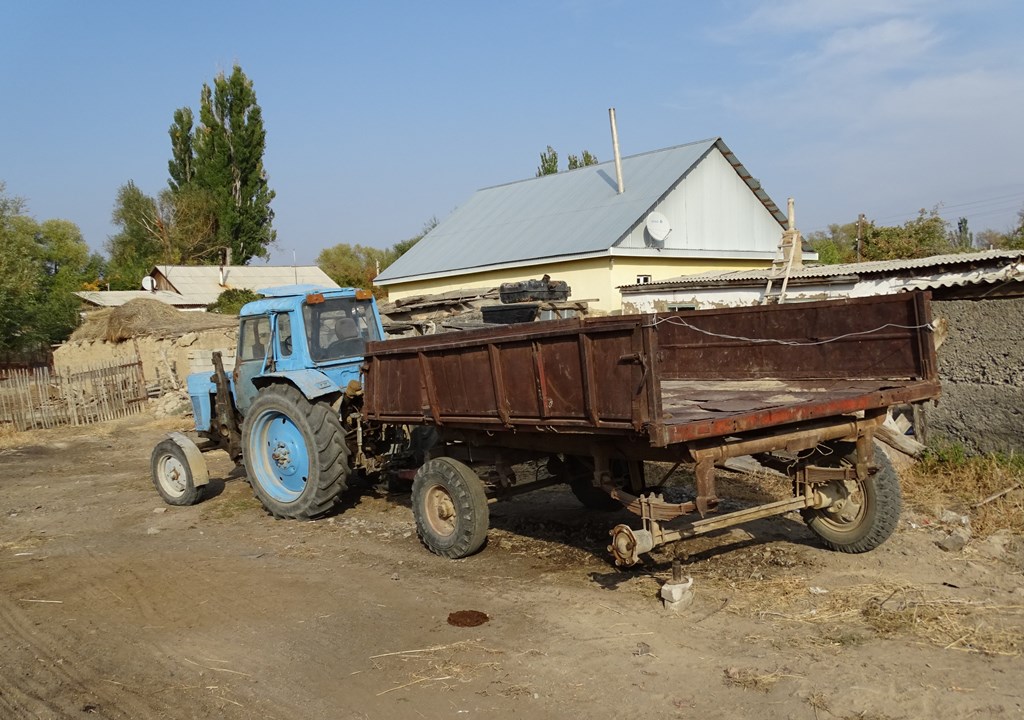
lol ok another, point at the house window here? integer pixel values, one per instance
(643, 279)
(680, 307)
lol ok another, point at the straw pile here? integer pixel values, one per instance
(146, 317)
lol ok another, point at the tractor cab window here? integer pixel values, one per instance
(253, 336)
(284, 334)
(339, 328)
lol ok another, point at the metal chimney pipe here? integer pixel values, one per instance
(615, 149)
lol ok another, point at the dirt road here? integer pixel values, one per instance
(114, 605)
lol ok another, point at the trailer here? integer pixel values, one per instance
(801, 387)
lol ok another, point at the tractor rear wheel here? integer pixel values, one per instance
(295, 453)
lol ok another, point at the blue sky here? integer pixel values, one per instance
(382, 114)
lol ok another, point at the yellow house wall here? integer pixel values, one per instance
(589, 280)
(594, 279)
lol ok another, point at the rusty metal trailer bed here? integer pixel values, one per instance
(802, 386)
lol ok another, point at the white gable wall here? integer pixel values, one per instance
(713, 209)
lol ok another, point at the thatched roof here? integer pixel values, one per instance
(141, 317)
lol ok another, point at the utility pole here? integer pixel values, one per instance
(860, 221)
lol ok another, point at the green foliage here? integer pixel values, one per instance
(41, 266)
(230, 301)
(1014, 240)
(357, 265)
(229, 145)
(584, 161)
(136, 248)
(181, 166)
(927, 234)
(962, 239)
(352, 265)
(217, 196)
(549, 161)
(171, 229)
(836, 245)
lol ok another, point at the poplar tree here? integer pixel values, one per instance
(221, 160)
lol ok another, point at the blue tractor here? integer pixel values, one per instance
(290, 408)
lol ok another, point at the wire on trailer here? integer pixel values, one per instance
(673, 320)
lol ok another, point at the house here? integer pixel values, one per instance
(978, 307)
(96, 299)
(686, 209)
(203, 284)
(992, 273)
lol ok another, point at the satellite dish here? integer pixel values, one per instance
(657, 229)
(148, 283)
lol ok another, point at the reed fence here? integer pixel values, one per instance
(41, 398)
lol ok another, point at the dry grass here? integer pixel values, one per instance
(950, 480)
(146, 317)
(845, 614)
(442, 666)
(750, 679)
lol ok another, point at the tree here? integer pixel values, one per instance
(41, 266)
(181, 166)
(358, 265)
(925, 235)
(962, 239)
(230, 301)
(401, 247)
(219, 197)
(584, 161)
(136, 248)
(836, 245)
(548, 162)
(352, 265)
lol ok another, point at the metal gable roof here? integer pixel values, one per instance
(204, 283)
(564, 214)
(116, 298)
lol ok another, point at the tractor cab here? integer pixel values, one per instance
(311, 337)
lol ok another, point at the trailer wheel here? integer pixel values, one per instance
(174, 475)
(295, 453)
(450, 507)
(869, 510)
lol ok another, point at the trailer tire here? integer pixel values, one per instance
(173, 474)
(872, 510)
(450, 507)
(295, 453)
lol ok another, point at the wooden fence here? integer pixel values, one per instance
(40, 398)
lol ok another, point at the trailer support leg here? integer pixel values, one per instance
(706, 495)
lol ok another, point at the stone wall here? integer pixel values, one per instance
(981, 366)
(166, 361)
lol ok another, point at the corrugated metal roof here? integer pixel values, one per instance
(567, 213)
(202, 283)
(116, 298)
(741, 277)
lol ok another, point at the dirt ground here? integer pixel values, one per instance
(114, 605)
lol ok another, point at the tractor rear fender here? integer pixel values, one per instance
(311, 383)
(196, 461)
